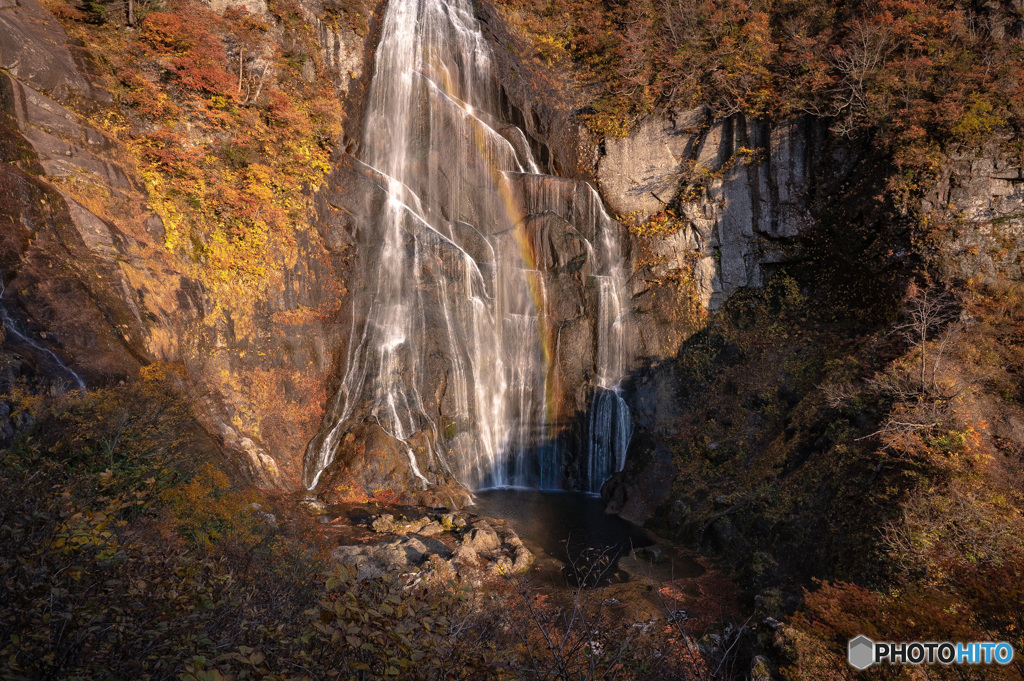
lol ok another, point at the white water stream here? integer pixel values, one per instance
(457, 299)
(13, 328)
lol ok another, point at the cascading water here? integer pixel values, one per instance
(610, 425)
(458, 272)
(21, 336)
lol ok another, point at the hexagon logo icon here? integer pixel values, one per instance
(861, 652)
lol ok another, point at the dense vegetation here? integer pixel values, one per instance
(852, 422)
(917, 75)
(128, 552)
(226, 122)
(883, 462)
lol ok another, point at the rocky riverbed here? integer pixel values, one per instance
(375, 539)
(629, 578)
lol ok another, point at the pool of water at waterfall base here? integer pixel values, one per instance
(575, 540)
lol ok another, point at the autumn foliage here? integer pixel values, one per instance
(873, 461)
(124, 549)
(228, 129)
(978, 602)
(918, 75)
(955, 545)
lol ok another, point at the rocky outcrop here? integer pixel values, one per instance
(746, 191)
(641, 173)
(645, 482)
(440, 544)
(340, 28)
(749, 196)
(368, 461)
(251, 6)
(980, 199)
(86, 290)
(342, 38)
(743, 186)
(540, 102)
(34, 49)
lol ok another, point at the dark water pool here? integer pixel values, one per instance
(570, 528)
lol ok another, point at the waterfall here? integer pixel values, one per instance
(456, 336)
(610, 423)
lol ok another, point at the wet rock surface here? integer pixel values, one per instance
(33, 49)
(568, 232)
(577, 543)
(368, 460)
(427, 544)
(644, 588)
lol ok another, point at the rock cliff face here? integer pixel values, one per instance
(749, 189)
(60, 261)
(746, 188)
(487, 295)
(980, 196)
(91, 292)
(750, 195)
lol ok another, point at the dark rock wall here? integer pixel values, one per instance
(752, 196)
(541, 103)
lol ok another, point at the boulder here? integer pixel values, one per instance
(374, 560)
(464, 555)
(423, 545)
(760, 669)
(482, 539)
(430, 529)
